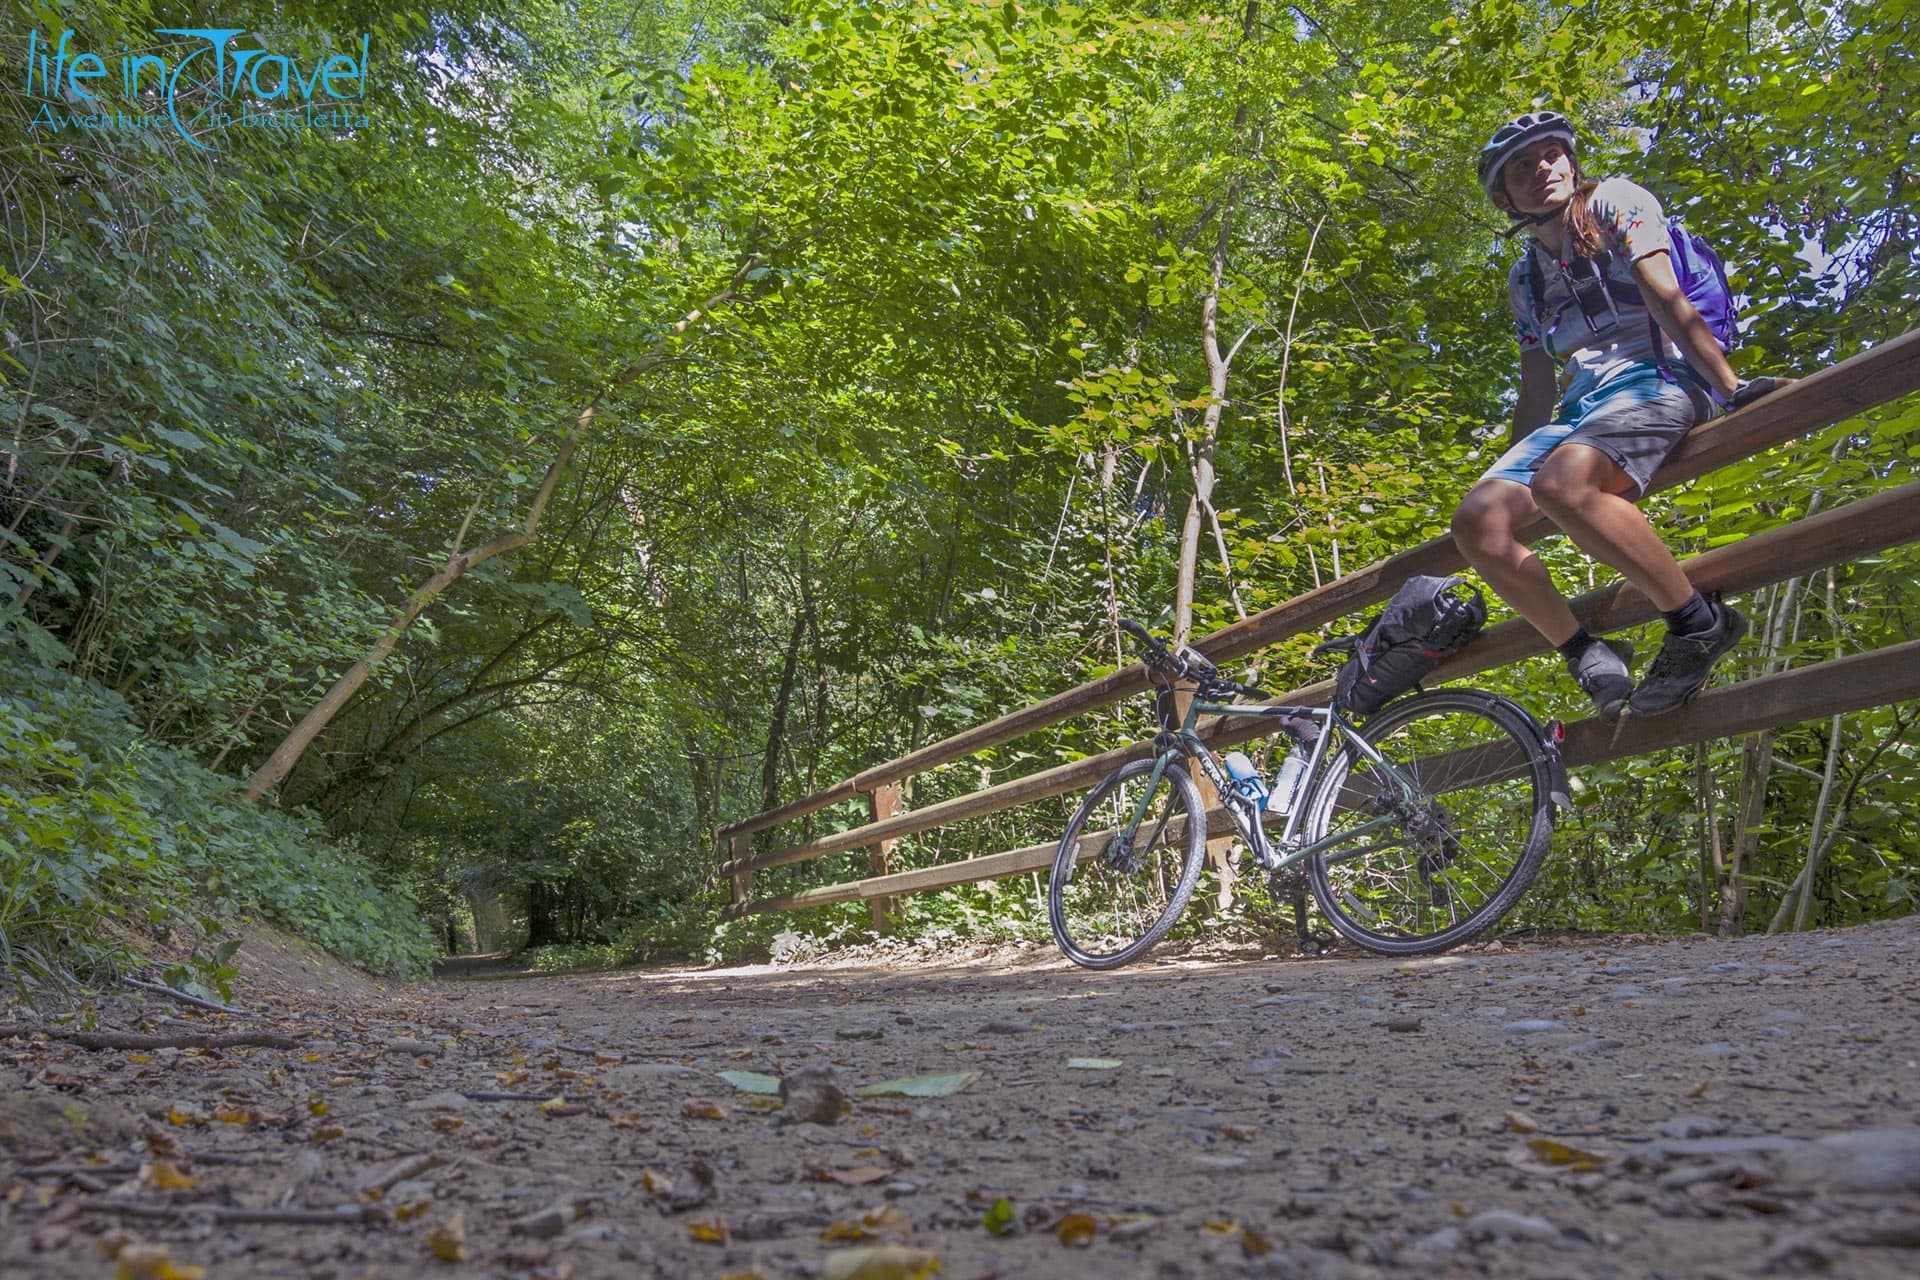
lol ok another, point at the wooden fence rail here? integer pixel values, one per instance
(1844, 533)
(1805, 693)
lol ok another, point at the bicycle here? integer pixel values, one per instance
(1417, 832)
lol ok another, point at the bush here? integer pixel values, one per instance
(97, 821)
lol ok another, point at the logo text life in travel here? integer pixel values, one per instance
(217, 68)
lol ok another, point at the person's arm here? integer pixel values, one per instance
(1539, 388)
(1677, 317)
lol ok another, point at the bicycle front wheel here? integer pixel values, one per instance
(1443, 833)
(1118, 886)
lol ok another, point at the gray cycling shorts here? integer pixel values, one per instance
(1636, 419)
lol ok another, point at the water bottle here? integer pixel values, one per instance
(1247, 782)
(1287, 782)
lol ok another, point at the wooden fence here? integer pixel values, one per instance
(1832, 537)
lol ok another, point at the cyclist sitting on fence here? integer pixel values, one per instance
(1598, 293)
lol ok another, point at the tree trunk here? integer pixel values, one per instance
(777, 724)
(1750, 810)
(1712, 854)
(541, 930)
(1218, 366)
(1827, 831)
(1817, 841)
(703, 776)
(274, 770)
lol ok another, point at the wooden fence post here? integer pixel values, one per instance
(740, 846)
(883, 801)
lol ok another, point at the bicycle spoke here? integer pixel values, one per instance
(1112, 894)
(1462, 787)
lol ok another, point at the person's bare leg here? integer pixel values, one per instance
(1582, 490)
(1484, 528)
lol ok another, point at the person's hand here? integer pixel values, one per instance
(1754, 388)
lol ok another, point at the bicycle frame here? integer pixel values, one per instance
(1187, 744)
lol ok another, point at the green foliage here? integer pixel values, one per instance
(207, 974)
(97, 821)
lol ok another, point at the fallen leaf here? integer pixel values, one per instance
(702, 1109)
(880, 1262)
(1254, 1245)
(844, 1231)
(629, 1120)
(165, 1175)
(316, 1106)
(1700, 1090)
(942, 1085)
(1520, 1122)
(858, 1176)
(446, 1123)
(707, 1230)
(328, 1132)
(1221, 1226)
(508, 1079)
(1092, 1064)
(751, 1081)
(1559, 1153)
(554, 1103)
(151, 1262)
(448, 1240)
(1076, 1230)
(886, 1220)
(1240, 1132)
(999, 1219)
(186, 1114)
(234, 1115)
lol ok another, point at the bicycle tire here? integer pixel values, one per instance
(1119, 901)
(1401, 892)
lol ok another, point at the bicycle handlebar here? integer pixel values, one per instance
(1187, 663)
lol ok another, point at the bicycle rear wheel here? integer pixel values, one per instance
(1431, 865)
(1114, 893)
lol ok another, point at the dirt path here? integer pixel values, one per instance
(1626, 1108)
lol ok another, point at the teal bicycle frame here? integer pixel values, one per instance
(1246, 817)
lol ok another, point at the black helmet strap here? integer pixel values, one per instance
(1524, 221)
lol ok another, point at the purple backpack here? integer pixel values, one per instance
(1704, 280)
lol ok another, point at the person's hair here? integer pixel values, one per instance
(1583, 229)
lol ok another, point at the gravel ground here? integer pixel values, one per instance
(1591, 1107)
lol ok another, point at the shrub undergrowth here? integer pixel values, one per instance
(100, 824)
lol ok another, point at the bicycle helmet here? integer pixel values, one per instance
(1515, 134)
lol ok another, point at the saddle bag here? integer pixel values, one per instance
(1428, 619)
